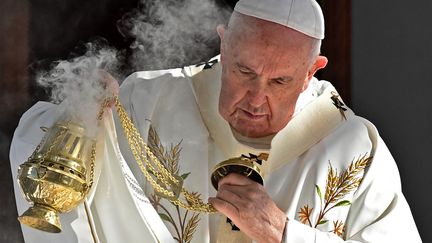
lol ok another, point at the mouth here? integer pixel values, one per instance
(251, 116)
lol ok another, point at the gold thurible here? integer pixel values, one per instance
(54, 179)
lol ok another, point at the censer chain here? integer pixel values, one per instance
(150, 164)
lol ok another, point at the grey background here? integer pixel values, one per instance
(391, 86)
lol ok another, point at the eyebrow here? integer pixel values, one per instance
(281, 78)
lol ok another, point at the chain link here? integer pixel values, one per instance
(53, 144)
(92, 165)
(104, 105)
(147, 161)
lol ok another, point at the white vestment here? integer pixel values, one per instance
(181, 105)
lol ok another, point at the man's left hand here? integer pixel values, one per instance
(250, 208)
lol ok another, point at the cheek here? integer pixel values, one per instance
(231, 93)
(283, 105)
(225, 99)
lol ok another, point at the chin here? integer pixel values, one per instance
(251, 131)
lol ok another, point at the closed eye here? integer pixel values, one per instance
(244, 70)
(282, 80)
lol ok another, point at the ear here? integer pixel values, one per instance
(221, 32)
(320, 63)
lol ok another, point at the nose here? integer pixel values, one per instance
(257, 95)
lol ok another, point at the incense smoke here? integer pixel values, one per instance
(165, 34)
(80, 85)
(173, 33)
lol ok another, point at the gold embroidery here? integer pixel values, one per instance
(305, 214)
(337, 187)
(339, 104)
(338, 228)
(184, 226)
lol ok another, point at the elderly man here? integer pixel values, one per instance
(328, 178)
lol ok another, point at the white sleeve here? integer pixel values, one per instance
(379, 211)
(25, 140)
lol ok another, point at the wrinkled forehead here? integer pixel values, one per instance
(243, 28)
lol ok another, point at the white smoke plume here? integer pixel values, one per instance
(80, 85)
(165, 34)
(173, 33)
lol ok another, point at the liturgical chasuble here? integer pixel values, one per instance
(332, 174)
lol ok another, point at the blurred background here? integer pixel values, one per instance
(379, 51)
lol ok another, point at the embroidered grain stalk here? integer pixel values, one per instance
(337, 187)
(184, 225)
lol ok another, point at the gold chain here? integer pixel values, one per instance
(165, 181)
(104, 105)
(33, 155)
(92, 165)
(53, 144)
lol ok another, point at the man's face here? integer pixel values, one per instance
(263, 74)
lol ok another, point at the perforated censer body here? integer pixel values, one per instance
(54, 179)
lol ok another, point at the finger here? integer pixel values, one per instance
(224, 207)
(243, 197)
(235, 179)
(111, 83)
(229, 193)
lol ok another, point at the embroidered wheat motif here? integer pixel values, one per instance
(338, 228)
(337, 187)
(305, 214)
(185, 225)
